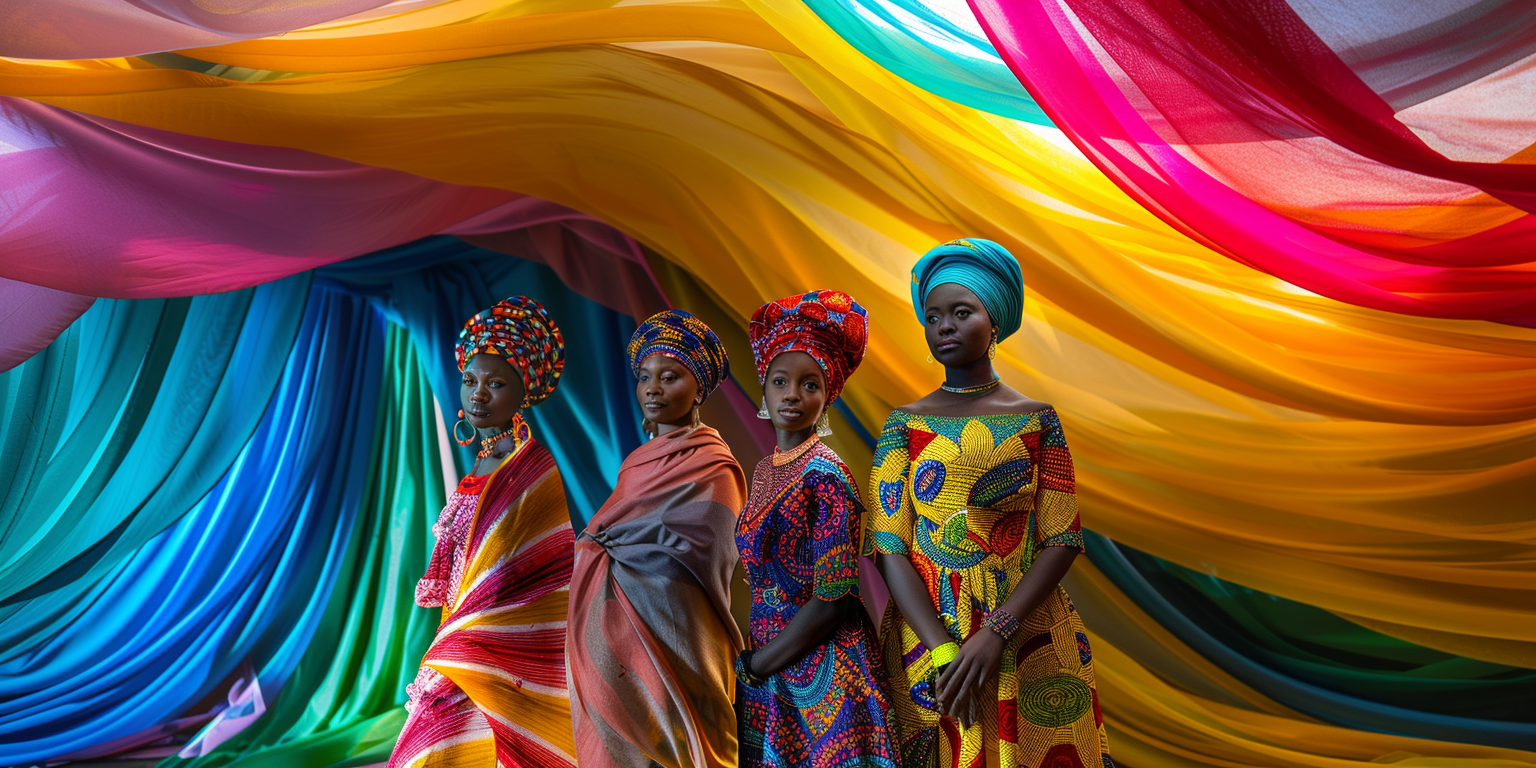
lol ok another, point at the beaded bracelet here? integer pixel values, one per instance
(944, 655)
(1003, 623)
(744, 671)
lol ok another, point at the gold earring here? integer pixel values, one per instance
(465, 422)
(930, 358)
(992, 350)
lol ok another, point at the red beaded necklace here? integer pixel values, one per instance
(518, 431)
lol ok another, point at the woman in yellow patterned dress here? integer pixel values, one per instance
(974, 522)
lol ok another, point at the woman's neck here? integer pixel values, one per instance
(788, 441)
(974, 373)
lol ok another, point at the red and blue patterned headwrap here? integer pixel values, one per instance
(676, 334)
(518, 329)
(827, 325)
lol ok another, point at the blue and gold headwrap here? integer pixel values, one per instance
(981, 266)
(686, 339)
(518, 329)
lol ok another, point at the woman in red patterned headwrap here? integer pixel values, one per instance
(811, 682)
(492, 689)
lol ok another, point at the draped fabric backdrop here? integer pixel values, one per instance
(1281, 283)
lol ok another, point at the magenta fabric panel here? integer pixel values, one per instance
(31, 317)
(96, 29)
(109, 209)
(1236, 122)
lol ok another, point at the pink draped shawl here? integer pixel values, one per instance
(652, 640)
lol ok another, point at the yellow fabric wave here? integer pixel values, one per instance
(1375, 465)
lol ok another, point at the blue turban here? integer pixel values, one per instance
(981, 266)
(676, 334)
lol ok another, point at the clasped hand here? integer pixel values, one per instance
(960, 686)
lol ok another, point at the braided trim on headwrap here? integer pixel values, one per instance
(520, 330)
(982, 267)
(681, 336)
(827, 325)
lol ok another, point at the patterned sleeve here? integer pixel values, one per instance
(835, 533)
(1057, 521)
(889, 521)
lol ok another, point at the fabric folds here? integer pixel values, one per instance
(652, 638)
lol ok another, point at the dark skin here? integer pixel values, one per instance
(491, 392)
(796, 390)
(958, 332)
(668, 395)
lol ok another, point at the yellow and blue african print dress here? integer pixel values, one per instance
(799, 541)
(971, 501)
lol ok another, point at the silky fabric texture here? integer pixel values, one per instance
(33, 318)
(118, 650)
(1249, 361)
(170, 389)
(652, 639)
(80, 29)
(1309, 158)
(261, 213)
(1203, 370)
(981, 267)
(499, 694)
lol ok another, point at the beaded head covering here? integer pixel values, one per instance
(982, 266)
(676, 334)
(827, 325)
(518, 329)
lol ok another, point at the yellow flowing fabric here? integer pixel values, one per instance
(1375, 465)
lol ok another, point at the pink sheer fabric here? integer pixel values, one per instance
(1377, 157)
(94, 29)
(109, 209)
(31, 317)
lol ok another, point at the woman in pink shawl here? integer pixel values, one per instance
(652, 640)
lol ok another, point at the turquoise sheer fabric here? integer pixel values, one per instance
(944, 54)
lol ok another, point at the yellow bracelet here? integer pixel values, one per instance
(944, 654)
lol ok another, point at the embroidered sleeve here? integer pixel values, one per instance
(889, 521)
(834, 535)
(1057, 523)
(432, 589)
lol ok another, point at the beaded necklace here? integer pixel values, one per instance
(518, 431)
(973, 390)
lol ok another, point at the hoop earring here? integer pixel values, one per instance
(823, 425)
(762, 412)
(930, 358)
(464, 421)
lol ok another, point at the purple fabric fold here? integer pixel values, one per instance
(96, 29)
(31, 317)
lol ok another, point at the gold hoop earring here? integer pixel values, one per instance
(930, 358)
(464, 421)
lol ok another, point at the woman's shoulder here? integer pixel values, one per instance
(939, 404)
(826, 467)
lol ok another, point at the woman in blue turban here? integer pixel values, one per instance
(973, 520)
